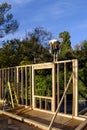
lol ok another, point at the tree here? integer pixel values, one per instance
(84, 45)
(9, 53)
(80, 53)
(35, 52)
(16, 52)
(66, 50)
(7, 23)
(41, 35)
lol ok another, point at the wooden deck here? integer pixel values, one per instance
(42, 119)
(7, 123)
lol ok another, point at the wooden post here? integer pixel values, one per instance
(58, 87)
(53, 89)
(22, 89)
(59, 105)
(17, 74)
(30, 81)
(33, 100)
(15, 78)
(65, 101)
(5, 76)
(11, 74)
(8, 74)
(0, 86)
(26, 86)
(75, 88)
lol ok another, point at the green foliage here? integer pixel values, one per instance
(80, 53)
(34, 49)
(84, 46)
(41, 35)
(30, 50)
(66, 50)
(43, 83)
(9, 54)
(62, 78)
(82, 83)
(7, 23)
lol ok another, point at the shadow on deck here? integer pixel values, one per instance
(42, 119)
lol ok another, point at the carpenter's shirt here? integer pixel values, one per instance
(52, 41)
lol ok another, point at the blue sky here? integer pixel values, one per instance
(54, 16)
